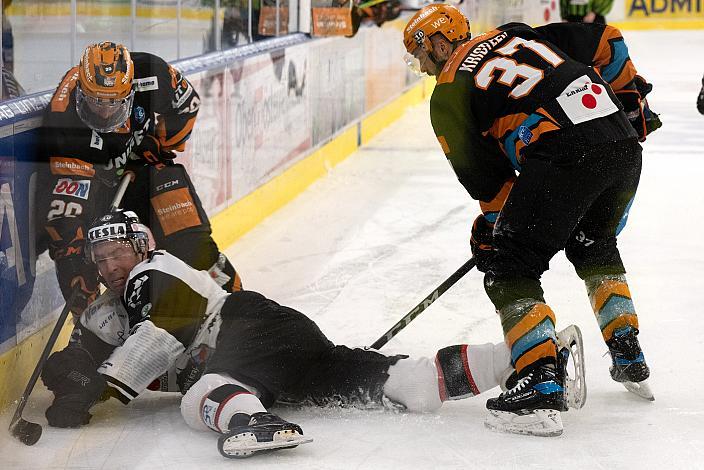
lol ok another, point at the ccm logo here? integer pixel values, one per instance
(75, 188)
(169, 184)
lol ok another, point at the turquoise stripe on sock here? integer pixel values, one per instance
(544, 330)
(614, 308)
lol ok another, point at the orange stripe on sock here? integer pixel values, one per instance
(546, 349)
(605, 290)
(536, 314)
(619, 322)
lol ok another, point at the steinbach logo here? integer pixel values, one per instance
(107, 232)
(178, 206)
(424, 15)
(71, 166)
(75, 188)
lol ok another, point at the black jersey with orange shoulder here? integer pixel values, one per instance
(501, 92)
(165, 106)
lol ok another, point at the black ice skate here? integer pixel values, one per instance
(571, 373)
(531, 407)
(257, 433)
(628, 363)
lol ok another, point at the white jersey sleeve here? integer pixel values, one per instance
(145, 356)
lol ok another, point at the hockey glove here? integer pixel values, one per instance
(150, 151)
(67, 249)
(700, 99)
(636, 107)
(482, 242)
(88, 288)
(72, 375)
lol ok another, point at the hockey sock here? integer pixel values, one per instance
(203, 405)
(529, 331)
(220, 405)
(468, 370)
(611, 302)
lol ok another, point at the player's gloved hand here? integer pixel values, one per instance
(482, 242)
(150, 151)
(700, 99)
(69, 411)
(72, 375)
(636, 107)
(87, 289)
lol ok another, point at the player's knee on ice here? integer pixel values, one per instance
(212, 401)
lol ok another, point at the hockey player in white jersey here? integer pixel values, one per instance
(166, 326)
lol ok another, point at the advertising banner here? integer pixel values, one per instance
(384, 68)
(206, 154)
(332, 22)
(338, 85)
(664, 9)
(28, 288)
(268, 116)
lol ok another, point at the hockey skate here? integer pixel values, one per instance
(258, 433)
(572, 374)
(628, 363)
(531, 407)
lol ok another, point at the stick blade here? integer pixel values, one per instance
(28, 433)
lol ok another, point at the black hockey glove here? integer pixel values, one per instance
(482, 242)
(73, 271)
(72, 375)
(150, 151)
(636, 107)
(700, 99)
(68, 411)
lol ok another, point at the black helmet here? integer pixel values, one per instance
(120, 225)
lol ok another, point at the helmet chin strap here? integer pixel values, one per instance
(439, 64)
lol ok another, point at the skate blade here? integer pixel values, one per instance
(575, 383)
(641, 389)
(242, 445)
(543, 423)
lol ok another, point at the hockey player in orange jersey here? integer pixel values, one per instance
(541, 126)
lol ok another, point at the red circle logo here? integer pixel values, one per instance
(596, 89)
(589, 101)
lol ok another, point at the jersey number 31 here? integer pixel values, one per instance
(512, 70)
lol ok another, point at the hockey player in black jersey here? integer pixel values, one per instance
(166, 326)
(541, 126)
(118, 109)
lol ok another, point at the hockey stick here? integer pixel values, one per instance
(27, 432)
(425, 303)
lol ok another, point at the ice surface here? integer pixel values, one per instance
(364, 245)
